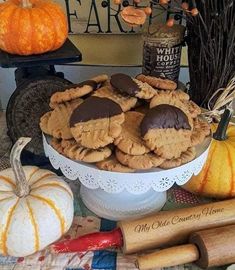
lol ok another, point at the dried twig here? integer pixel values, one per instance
(211, 48)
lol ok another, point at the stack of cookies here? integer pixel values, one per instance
(124, 124)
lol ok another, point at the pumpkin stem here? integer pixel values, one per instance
(22, 187)
(220, 134)
(26, 4)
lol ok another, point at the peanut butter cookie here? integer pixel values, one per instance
(113, 165)
(201, 129)
(77, 152)
(185, 157)
(178, 99)
(142, 162)
(130, 141)
(158, 83)
(56, 122)
(72, 92)
(56, 144)
(71, 149)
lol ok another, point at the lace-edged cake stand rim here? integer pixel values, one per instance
(136, 183)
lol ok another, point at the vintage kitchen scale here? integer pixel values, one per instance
(36, 80)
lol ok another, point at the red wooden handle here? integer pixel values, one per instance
(93, 241)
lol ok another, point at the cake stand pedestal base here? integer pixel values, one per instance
(115, 195)
(123, 205)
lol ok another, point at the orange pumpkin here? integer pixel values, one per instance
(31, 27)
(217, 178)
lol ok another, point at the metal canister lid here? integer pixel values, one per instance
(165, 35)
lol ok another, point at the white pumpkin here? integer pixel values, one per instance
(36, 207)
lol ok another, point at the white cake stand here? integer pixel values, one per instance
(118, 196)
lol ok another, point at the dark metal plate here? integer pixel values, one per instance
(27, 104)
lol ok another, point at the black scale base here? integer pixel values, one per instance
(36, 80)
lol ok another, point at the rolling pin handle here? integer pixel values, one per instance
(168, 257)
(217, 246)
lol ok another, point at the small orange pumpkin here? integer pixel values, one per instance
(31, 27)
(217, 178)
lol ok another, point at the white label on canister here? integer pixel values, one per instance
(162, 60)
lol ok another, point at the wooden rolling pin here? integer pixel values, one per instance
(166, 228)
(209, 248)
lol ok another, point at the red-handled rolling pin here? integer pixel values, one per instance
(158, 230)
(209, 248)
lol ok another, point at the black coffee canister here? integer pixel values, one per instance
(162, 51)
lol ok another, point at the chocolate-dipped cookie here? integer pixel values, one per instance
(167, 131)
(125, 101)
(133, 87)
(96, 122)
